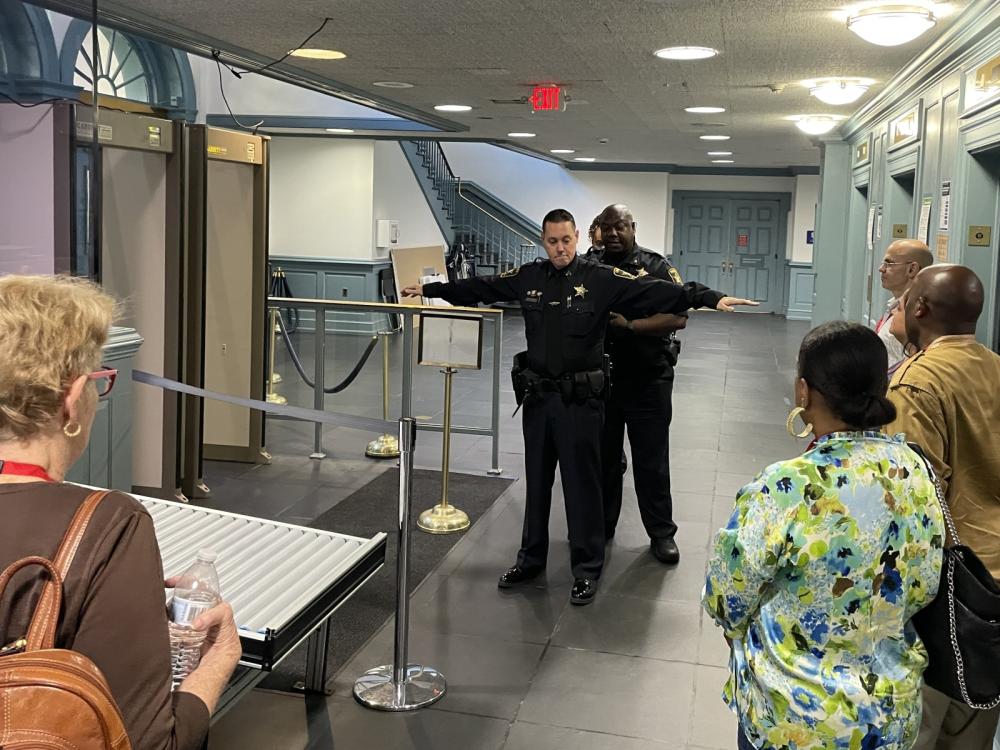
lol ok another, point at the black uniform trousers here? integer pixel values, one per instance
(570, 435)
(645, 409)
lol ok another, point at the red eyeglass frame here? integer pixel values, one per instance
(110, 373)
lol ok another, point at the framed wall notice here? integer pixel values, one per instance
(450, 340)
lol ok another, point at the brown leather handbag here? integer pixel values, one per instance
(53, 698)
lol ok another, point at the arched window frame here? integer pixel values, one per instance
(171, 83)
(29, 65)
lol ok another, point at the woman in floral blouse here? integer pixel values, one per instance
(825, 559)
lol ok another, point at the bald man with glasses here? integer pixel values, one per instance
(903, 260)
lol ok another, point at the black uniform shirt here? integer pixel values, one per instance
(640, 358)
(566, 311)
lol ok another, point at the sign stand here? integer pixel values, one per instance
(455, 342)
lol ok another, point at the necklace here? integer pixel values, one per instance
(24, 470)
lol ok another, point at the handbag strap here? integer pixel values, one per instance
(42, 631)
(950, 555)
(939, 493)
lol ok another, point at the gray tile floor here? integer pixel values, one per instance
(639, 669)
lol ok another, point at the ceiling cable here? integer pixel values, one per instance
(250, 71)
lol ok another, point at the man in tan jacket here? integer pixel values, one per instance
(948, 401)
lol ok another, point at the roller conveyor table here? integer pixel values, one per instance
(282, 581)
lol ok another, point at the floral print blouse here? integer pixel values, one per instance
(824, 560)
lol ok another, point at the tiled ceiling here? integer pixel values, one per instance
(477, 51)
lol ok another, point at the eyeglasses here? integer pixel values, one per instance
(887, 263)
(104, 380)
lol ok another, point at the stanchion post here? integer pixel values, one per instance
(444, 518)
(319, 395)
(272, 396)
(385, 445)
(402, 686)
(495, 414)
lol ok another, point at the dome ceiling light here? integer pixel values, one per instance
(816, 124)
(838, 91)
(705, 110)
(891, 25)
(686, 53)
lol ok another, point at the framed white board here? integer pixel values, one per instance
(450, 340)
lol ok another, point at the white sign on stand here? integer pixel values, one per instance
(451, 340)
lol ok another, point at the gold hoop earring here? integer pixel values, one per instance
(72, 432)
(790, 423)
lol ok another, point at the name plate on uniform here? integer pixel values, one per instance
(451, 340)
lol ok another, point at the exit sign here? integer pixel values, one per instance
(546, 99)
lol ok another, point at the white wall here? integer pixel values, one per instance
(27, 190)
(321, 197)
(397, 195)
(534, 186)
(260, 95)
(804, 215)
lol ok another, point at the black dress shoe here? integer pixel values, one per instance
(665, 550)
(518, 575)
(583, 592)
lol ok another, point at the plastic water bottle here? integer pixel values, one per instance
(197, 591)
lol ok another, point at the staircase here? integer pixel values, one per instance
(494, 235)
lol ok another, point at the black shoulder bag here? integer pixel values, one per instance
(961, 627)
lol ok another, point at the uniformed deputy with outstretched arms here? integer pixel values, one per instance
(566, 301)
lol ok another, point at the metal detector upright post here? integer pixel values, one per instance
(402, 686)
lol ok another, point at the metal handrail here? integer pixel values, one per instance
(407, 312)
(495, 218)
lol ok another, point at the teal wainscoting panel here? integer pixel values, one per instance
(107, 461)
(335, 279)
(801, 283)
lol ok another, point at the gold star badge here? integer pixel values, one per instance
(581, 291)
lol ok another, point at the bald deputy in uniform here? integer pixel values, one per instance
(903, 260)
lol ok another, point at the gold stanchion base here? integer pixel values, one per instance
(443, 519)
(276, 378)
(384, 446)
(276, 398)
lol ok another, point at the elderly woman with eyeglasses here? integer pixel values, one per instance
(52, 330)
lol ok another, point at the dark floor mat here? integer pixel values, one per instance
(372, 509)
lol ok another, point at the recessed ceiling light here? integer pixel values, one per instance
(704, 110)
(686, 53)
(816, 124)
(891, 25)
(393, 84)
(341, 131)
(562, 151)
(838, 91)
(719, 153)
(722, 161)
(584, 158)
(714, 137)
(452, 107)
(520, 135)
(315, 53)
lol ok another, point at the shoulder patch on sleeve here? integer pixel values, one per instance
(624, 274)
(675, 275)
(511, 272)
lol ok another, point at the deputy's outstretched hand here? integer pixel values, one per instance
(726, 304)
(414, 290)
